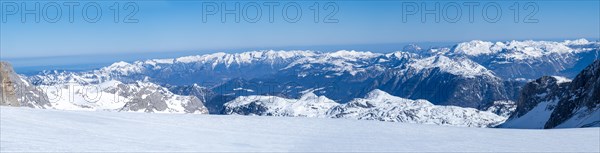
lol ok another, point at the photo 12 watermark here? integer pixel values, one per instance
(68, 11)
(270, 11)
(469, 11)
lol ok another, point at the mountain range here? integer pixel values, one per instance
(466, 81)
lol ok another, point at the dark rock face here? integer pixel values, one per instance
(17, 92)
(204, 95)
(447, 89)
(570, 104)
(582, 94)
(148, 97)
(542, 89)
(504, 108)
(250, 109)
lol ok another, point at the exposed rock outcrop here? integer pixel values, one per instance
(18, 92)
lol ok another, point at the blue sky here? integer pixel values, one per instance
(175, 26)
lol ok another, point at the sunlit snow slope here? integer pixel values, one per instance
(25, 129)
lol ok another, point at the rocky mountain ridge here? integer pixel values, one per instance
(553, 102)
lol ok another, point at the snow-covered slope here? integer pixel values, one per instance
(117, 96)
(36, 130)
(377, 105)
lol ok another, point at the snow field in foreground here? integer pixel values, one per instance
(24, 129)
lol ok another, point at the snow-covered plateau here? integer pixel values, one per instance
(84, 131)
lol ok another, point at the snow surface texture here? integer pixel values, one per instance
(377, 105)
(38, 130)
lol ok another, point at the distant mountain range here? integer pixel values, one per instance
(481, 76)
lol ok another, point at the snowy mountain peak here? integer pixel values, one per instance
(459, 66)
(581, 41)
(378, 94)
(309, 95)
(122, 68)
(530, 48)
(561, 79)
(475, 48)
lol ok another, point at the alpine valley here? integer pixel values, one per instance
(511, 84)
